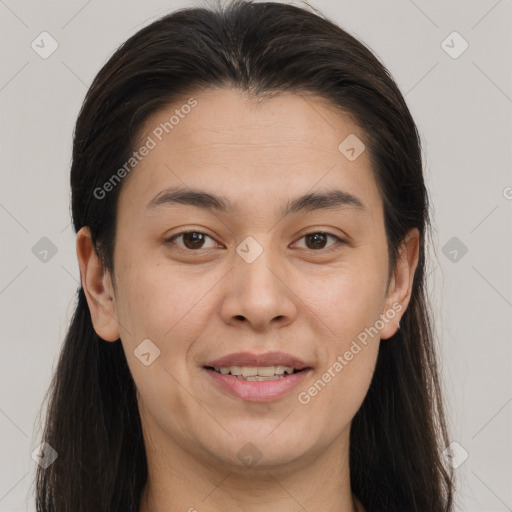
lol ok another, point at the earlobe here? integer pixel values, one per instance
(97, 287)
(400, 287)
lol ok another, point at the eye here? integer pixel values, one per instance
(192, 240)
(316, 240)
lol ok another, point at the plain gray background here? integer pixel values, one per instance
(462, 107)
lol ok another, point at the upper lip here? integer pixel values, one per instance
(250, 359)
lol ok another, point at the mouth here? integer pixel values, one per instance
(257, 383)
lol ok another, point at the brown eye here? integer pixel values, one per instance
(317, 241)
(192, 240)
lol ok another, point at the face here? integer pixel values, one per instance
(254, 270)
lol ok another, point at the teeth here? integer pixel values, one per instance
(253, 371)
(258, 378)
(249, 371)
(267, 371)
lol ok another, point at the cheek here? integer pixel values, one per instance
(157, 307)
(172, 310)
(347, 300)
(348, 303)
(159, 302)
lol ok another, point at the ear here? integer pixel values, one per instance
(97, 287)
(400, 285)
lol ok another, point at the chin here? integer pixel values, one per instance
(263, 450)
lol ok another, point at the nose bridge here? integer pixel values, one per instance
(254, 262)
(258, 293)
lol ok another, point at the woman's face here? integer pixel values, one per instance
(260, 272)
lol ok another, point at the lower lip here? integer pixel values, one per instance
(258, 391)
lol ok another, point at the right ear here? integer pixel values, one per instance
(98, 288)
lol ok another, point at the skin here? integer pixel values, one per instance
(295, 297)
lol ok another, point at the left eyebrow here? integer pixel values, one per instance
(332, 199)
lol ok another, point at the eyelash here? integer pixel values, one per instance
(329, 249)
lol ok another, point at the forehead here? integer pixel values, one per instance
(252, 151)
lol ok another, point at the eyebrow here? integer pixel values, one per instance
(332, 199)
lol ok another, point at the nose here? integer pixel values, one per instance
(259, 293)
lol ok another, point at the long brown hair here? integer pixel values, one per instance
(92, 420)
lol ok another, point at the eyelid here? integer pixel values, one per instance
(333, 247)
(170, 240)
